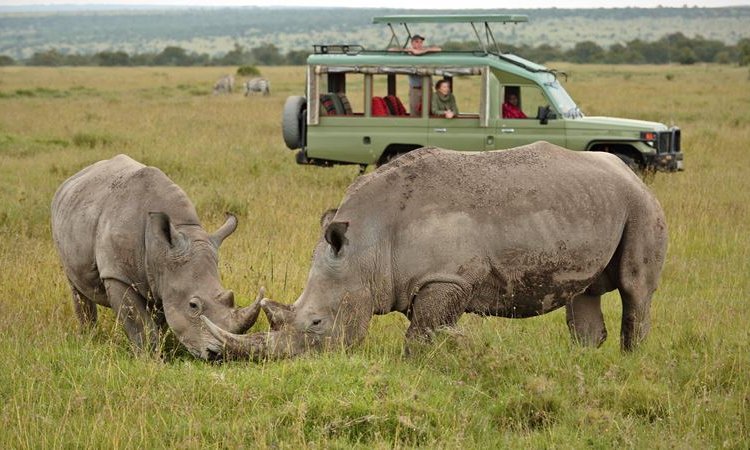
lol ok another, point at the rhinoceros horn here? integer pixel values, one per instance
(238, 346)
(225, 230)
(257, 346)
(244, 318)
(277, 313)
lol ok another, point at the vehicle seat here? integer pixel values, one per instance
(379, 107)
(395, 107)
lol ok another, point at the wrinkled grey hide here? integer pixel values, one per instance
(130, 239)
(257, 85)
(438, 233)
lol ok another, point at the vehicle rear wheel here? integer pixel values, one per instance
(393, 151)
(392, 156)
(292, 121)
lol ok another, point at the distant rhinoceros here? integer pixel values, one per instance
(515, 233)
(130, 239)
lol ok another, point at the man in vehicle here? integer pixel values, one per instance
(511, 106)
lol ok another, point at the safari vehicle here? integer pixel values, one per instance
(354, 111)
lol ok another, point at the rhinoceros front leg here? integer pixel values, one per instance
(130, 309)
(435, 305)
(585, 320)
(85, 309)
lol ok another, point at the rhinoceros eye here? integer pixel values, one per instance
(196, 307)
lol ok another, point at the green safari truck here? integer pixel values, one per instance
(369, 106)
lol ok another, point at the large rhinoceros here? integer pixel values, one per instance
(130, 239)
(514, 233)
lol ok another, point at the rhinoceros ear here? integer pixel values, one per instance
(336, 235)
(327, 217)
(160, 227)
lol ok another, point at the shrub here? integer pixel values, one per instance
(247, 71)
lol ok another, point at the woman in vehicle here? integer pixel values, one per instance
(443, 101)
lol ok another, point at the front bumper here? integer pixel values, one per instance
(668, 162)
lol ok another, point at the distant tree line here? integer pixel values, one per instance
(265, 54)
(672, 48)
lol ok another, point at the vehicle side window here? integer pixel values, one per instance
(521, 102)
(390, 95)
(355, 92)
(533, 98)
(467, 90)
(342, 94)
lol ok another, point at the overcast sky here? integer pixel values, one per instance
(442, 4)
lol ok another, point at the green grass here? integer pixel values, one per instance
(493, 383)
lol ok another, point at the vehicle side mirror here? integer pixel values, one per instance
(543, 114)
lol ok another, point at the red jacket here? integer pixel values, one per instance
(512, 112)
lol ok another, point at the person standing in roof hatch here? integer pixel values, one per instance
(417, 46)
(415, 81)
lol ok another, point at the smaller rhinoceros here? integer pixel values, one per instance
(130, 239)
(515, 233)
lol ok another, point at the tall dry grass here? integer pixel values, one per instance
(497, 383)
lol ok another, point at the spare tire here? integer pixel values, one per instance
(292, 121)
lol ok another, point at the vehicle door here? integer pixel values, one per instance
(464, 131)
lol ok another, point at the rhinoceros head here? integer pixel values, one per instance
(334, 309)
(182, 270)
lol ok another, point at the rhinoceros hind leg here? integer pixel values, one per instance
(585, 320)
(85, 309)
(131, 312)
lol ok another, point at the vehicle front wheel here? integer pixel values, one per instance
(630, 162)
(292, 121)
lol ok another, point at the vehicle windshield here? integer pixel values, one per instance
(563, 101)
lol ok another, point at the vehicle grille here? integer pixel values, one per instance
(669, 141)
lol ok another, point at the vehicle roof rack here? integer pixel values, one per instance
(344, 49)
(473, 19)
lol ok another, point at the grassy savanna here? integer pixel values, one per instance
(493, 383)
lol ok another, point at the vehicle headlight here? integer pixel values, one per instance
(648, 136)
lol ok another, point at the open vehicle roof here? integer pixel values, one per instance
(483, 19)
(451, 18)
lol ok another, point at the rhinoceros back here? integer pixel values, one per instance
(99, 216)
(511, 183)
